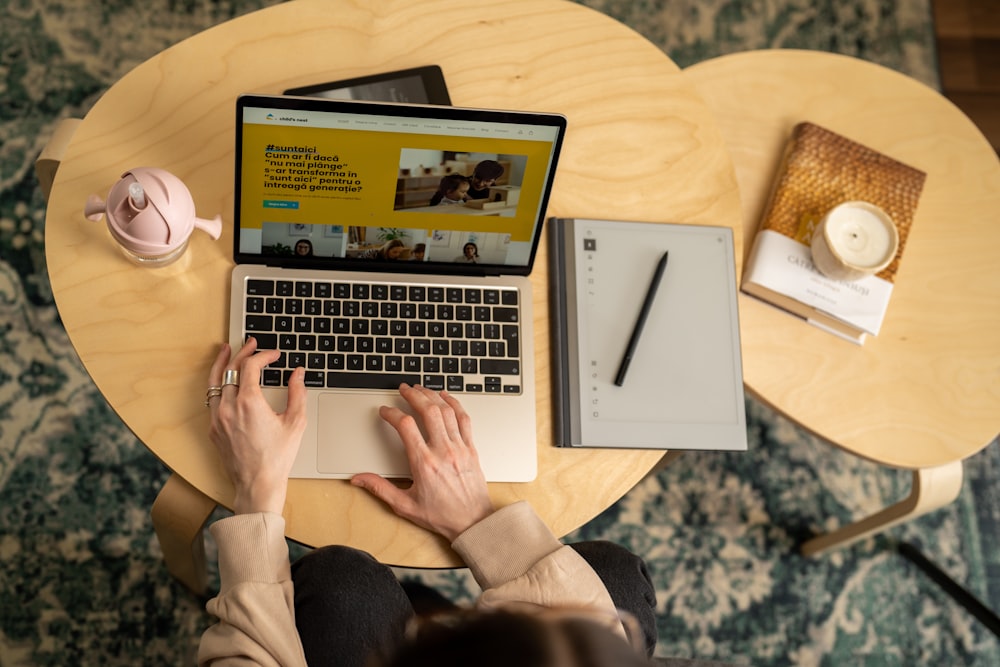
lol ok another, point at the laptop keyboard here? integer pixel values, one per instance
(360, 335)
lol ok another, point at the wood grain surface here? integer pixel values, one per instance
(641, 145)
(926, 391)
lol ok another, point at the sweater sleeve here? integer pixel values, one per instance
(256, 604)
(515, 558)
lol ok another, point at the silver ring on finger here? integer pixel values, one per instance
(231, 377)
(213, 392)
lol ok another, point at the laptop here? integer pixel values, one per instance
(379, 243)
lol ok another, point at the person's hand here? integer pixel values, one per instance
(257, 445)
(449, 493)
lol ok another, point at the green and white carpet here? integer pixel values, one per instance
(81, 578)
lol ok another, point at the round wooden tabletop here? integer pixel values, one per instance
(641, 145)
(926, 391)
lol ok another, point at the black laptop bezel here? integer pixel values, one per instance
(554, 120)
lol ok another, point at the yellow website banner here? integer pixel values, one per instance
(327, 176)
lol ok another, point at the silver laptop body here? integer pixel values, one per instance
(367, 253)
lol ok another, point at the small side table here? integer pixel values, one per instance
(925, 394)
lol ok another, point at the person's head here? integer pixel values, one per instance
(454, 186)
(504, 638)
(419, 250)
(486, 174)
(303, 248)
(393, 249)
(470, 250)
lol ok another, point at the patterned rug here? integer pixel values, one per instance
(81, 577)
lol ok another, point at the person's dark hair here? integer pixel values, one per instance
(503, 639)
(487, 170)
(447, 184)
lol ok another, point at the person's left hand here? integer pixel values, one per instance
(257, 445)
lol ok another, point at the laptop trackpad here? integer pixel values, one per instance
(352, 438)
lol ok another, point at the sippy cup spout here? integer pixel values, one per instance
(136, 196)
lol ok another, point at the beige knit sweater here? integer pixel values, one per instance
(512, 555)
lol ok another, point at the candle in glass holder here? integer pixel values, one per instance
(854, 239)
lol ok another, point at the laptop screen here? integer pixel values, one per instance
(346, 184)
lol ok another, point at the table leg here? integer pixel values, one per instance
(932, 488)
(48, 160)
(179, 513)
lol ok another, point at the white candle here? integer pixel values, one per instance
(853, 240)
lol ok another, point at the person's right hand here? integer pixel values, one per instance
(449, 492)
(257, 445)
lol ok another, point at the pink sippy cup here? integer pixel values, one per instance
(151, 215)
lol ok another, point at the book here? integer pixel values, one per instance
(684, 386)
(819, 170)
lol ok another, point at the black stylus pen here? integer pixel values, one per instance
(641, 322)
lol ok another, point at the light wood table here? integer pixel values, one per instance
(925, 394)
(641, 145)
